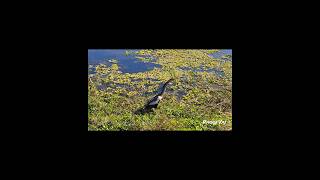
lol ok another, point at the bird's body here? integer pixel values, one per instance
(153, 103)
(155, 100)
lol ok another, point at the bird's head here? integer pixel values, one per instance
(170, 81)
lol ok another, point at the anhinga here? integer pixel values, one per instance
(153, 103)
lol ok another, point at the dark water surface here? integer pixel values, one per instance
(127, 63)
(220, 54)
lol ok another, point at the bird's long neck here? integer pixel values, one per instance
(163, 89)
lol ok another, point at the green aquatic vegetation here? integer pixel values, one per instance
(129, 52)
(196, 101)
(114, 67)
(227, 56)
(211, 51)
(145, 59)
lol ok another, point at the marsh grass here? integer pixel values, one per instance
(195, 96)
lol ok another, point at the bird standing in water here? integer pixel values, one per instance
(153, 103)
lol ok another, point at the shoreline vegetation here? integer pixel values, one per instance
(198, 100)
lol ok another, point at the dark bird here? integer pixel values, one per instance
(153, 103)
